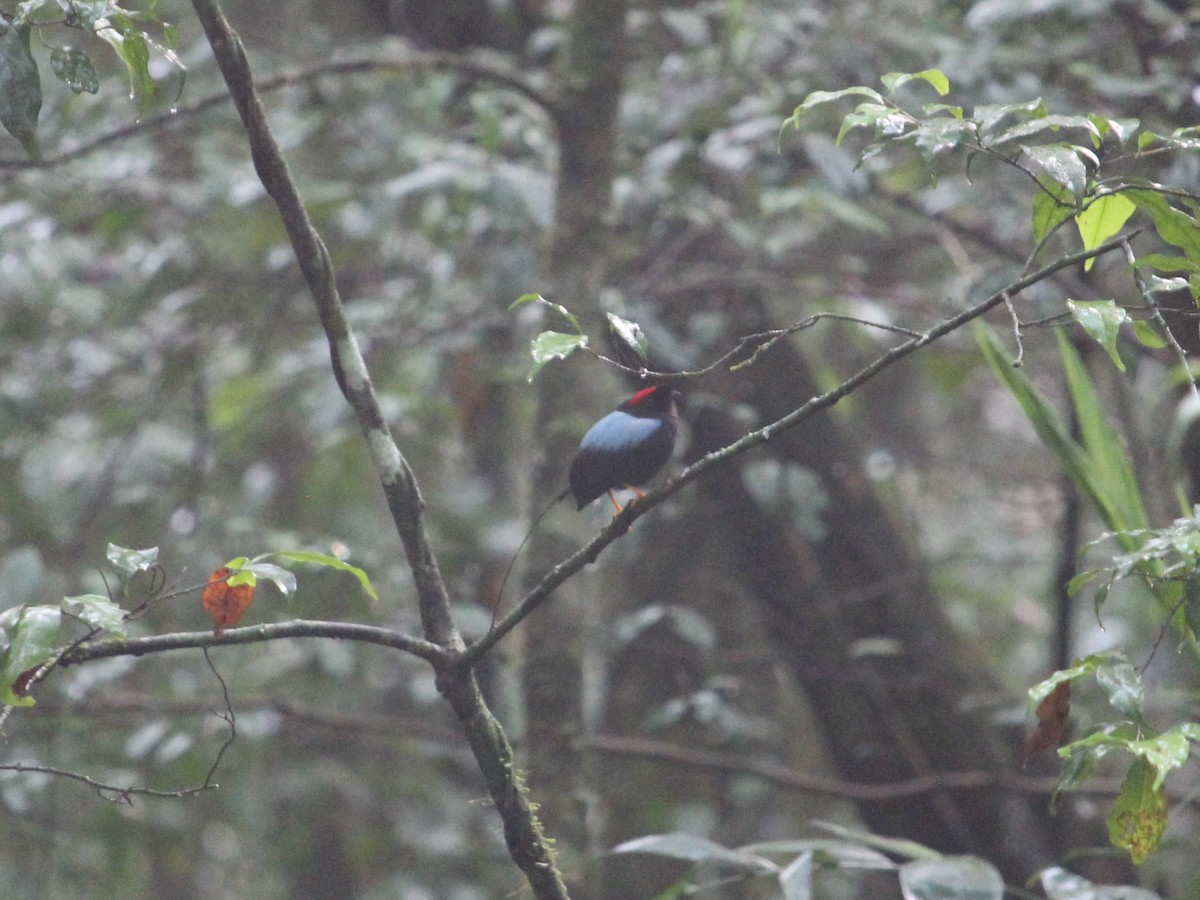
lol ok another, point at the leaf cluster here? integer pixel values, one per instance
(796, 868)
(34, 637)
(127, 32)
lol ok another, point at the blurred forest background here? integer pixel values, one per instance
(863, 601)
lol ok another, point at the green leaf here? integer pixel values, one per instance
(1082, 578)
(1098, 466)
(895, 846)
(1156, 284)
(796, 880)
(20, 87)
(1102, 218)
(936, 136)
(1047, 123)
(817, 98)
(1164, 752)
(933, 109)
(683, 621)
(1139, 814)
(558, 308)
(1173, 225)
(551, 345)
(127, 561)
(132, 46)
(1052, 205)
(886, 120)
(990, 116)
(1148, 335)
(1079, 669)
(1179, 139)
(940, 82)
(331, 562)
(1100, 743)
(32, 641)
(1121, 129)
(38, 12)
(1076, 769)
(1123, 687)
(1110, 471)
(96, 612)
(248, 571)
(630, 335)
(74, 67)
(91, 12)
(1166, 263)
(680, 888)
(826, 853)
(1061, 163)
(242, 576)
(958, 877)
(1059, 884)
(693, 848)
(1102, 320)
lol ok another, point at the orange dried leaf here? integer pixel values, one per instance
(225, 604)
(1052, 714)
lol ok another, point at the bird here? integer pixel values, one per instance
(624, 449)
(627, 447)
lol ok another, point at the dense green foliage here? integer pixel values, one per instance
(165, 384)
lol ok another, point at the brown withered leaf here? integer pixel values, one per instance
(21, 684)
(1052, 714)
(225, 604)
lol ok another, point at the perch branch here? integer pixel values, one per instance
(621, 523)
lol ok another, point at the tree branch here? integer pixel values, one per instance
(527, 845)
(782, 776)
(255, 634)
(476, 65)
(118, 794)
(114, 793)
(634, 510)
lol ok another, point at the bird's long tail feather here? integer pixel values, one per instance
(521, 546)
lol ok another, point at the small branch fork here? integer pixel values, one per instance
(118, 794)
(757, 344)
(1157, 317)
(527, 844)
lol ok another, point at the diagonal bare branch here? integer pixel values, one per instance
(621, 523)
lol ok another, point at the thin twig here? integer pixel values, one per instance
(125, 794)
(761, 342)
(1162, 633)
(104, 789)
(227, 716)
(476, 66)
(1157, 316)
(1018, 361)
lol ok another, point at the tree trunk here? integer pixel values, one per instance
(555, 638)
(857, 621)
